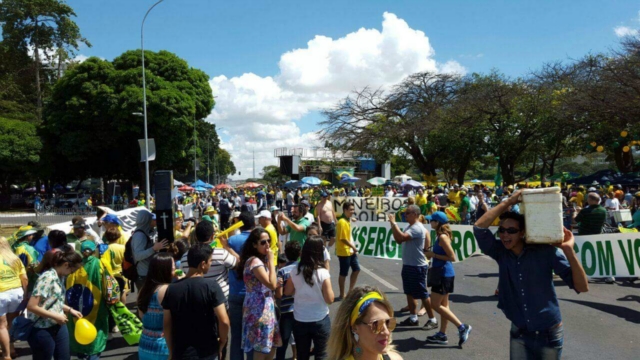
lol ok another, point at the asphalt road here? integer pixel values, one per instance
(601, 324)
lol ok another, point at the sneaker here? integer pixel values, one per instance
(408, 322)
(430, 325)
(438, 338)
(464, 334)
(338, 298)
(610, 280)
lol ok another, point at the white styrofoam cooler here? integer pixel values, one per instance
(542, 209)
(623, 215)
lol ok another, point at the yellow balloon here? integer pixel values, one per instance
(85, 332)
(625, 149)
(624, 133)
(593, 143)
(600, 148)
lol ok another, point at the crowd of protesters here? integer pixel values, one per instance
(267, 287)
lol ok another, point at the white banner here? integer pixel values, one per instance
(127, 216)
(601, 255)
(370, 208)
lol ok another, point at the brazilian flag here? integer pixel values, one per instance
(89, 290)
(29, 257)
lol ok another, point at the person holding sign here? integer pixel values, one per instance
(346, 250)
(415, 241)
(527, 295)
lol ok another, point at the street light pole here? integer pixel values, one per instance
(144, 108)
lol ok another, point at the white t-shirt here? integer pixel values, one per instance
(474, 203)
(389, 193)
(308, 302)
(279, 195)
(187, 211)
(612, 203)
(309, 217)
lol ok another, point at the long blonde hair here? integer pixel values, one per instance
(8, 256)
(444, 229)
(341, 341)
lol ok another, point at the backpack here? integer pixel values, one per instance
(129, 269)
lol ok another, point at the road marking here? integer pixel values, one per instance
(378, 278)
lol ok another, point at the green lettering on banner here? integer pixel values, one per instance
(361, 238)
(628, 259)
(379, 247)
(468, 237)
(392, 245)
(588, 247)
(636, 250)
(456, 243)
(606, 262)
(370, 240)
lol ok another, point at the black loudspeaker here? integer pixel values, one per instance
(286, 163)
(164, 204)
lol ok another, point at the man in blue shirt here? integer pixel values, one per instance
(237, 289)
(527, 295)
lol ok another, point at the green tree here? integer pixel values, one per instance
(43, 25)
(19, 151)
(272, 175)
(89, 124)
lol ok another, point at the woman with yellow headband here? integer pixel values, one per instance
(362, 328)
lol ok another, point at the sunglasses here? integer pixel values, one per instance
(508, 231)
(377, 326)
(264, 242)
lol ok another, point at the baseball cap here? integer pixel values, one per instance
(274, 208)
(265, 214)
(438, 216)
(305, 203)
(80, 224)
(88, 245)
(592, 189)
(324, 194)
(111, 219)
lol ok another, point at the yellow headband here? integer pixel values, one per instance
(363, 303)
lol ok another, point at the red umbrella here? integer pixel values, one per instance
(251, 185)
(185, 188)
(223, 187)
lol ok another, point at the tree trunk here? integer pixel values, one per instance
(462, 170)
(426, 166)
(36, 52)
(624, 160)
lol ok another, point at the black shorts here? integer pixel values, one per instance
(347, 262)
(328, 229)
(446, 287)
(414, 281)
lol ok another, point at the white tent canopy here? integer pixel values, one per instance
(401, 178)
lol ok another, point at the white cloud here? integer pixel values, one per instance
(262, 113)
(623, 31)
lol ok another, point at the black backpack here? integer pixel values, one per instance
(129, 269)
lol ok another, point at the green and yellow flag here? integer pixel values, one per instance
(89, 290)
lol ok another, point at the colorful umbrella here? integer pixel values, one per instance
(251, 185)
(412, 183)
(311, 180)
(223, 187)
(185, 188)
(377, 181)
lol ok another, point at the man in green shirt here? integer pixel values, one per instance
(296, 228)
(464, 209)
(593, 217)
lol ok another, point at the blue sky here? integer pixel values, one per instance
(266, 101)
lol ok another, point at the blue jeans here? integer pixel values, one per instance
(543, 345)
(286, 328)
(306, 332)
(52, 342)
(235, 317)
